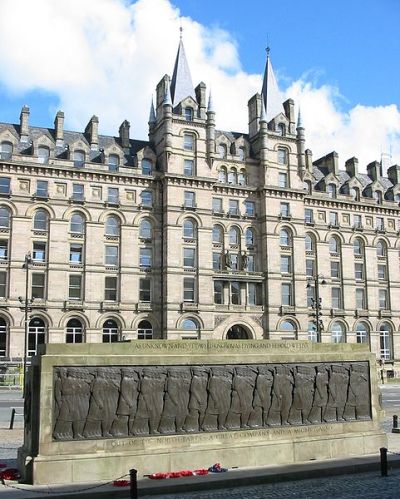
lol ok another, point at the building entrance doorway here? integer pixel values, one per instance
(237, 332)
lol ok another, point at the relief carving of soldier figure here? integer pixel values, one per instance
(243, 384)
(281, 396)
(73, 394)
(219, 398)
(337, 393)
(357, 406)
(103, 403)
(176, 400)
(303, 394)
(262, 397)
(127, 403)
(198, 399)
(317, 413)
(150, 401)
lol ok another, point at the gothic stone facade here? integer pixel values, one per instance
(196, 233)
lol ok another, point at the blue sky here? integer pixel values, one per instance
(338, 60)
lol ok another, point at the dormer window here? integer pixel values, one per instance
(281, 129)
(222, 151)
(146, 167)
(331, 190)
(378, 197)
(43, 154)
(241, 154)
(6, 149)
(188, 113)
(79, 158)
(355, 193)
(113, 162)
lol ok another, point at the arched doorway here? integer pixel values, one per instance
(237, 332)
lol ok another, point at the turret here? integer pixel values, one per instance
(263, 135)
(210, 131)
(167, 116)
(254, 106)
(152, 119)
(301, 142)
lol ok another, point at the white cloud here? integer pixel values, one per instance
(105, 57)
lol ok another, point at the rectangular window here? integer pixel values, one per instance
(383, 299)
(113, 195)
(5, 185)
(78, 191)
(235, 293)
(42, 188)
(359, 271)
(282, 156)
(283, 180)
(286, 294)
(3, 284)
(3, 250)
(333, 218)
(188, 289)
(285, 210)
(145, 257)
(217, 205)
(75, 287)
(335, 270)
(336, 294)
(250, 208)
(190, 199)
(382, 272)
(188, 142)
(310, 296)
(39, 252)
(380, 224)
(75, 253)
(357, 221)
(253, 293)
(360, 299)
(111, 256)
(144, 290)
(234, 261)
(189, 257)
(38, 281)
(286, 264)
(233, 207)
(110, 288)
(216, 261)
(310, 266)
(218, 292)
(188, 167)
(250, 264)
(308, 216)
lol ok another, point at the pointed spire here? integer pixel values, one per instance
(167, 96)
(210, 108)
(299, 120)
(263, 117)
(152, 116)
(270, 91)
(181, 83)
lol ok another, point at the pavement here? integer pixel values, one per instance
(342, 478)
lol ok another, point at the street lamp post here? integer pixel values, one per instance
(27, 308)
(316, 303)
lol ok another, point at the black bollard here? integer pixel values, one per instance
(133, 489)
(384, 470)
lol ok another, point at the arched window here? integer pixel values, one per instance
(334, 245)
(331, 190)
(337, 333)
(289, 330)
(222, 151)
(282, 156)
(191, 327)
(222, 175)
(313, 333)
(189, 228)
(6, 150)
(249, 236)
(146, 229)
(36, 335)
(77, 225)
(113, 162)
(380, 248)
(386, 341)
(285, 238)
(232, 176)
(362, 332)
(112, 226)
(358, 247)
(79, 158)
(43, 154)
(242, 154)
(309, 242)
(74, 331)
(146, 167)
(110, 331)
(281, 129)
(40, 220)
(242, 179)
(3, 338)
(145, 331)
(4, 218)
(147, 198)
(188, 113)
(217, 234)
(234, 235)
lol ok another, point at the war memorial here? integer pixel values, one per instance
(94, 411)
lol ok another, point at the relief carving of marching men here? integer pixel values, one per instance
(114, 402)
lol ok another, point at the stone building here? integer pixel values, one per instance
(195, 233)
